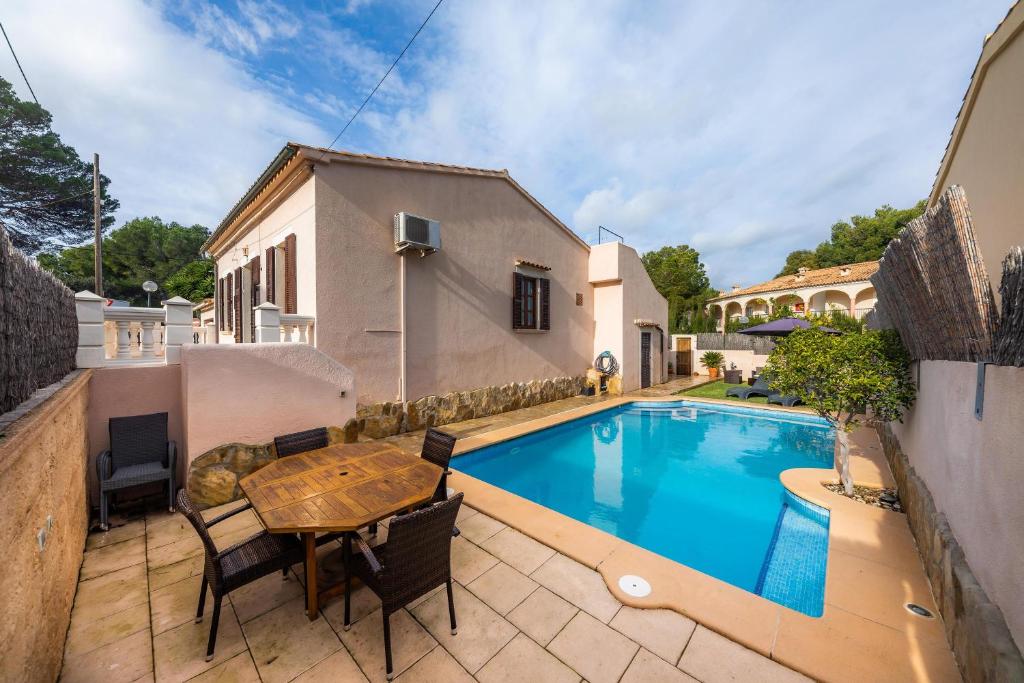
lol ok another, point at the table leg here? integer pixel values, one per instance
(312, 609)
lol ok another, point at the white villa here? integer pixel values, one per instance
(847, 288)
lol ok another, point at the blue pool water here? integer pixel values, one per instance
(694, 482)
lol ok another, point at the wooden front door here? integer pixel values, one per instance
(645, 360)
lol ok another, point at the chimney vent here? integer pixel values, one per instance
(735, 287)
(844, 271)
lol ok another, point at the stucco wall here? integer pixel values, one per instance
(459, 299)
(42, 461)
(250, 393)
(119, 392)
(988, 153)
(974, 470)
(293, 215)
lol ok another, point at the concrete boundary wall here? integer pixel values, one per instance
(43, 457)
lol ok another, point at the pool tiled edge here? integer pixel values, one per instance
(873, 570)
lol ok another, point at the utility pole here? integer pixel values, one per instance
(98, 251)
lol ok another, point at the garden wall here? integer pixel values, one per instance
(43, 459)
(960, 479)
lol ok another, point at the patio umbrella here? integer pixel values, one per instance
(782, 327)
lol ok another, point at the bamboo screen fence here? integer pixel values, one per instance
(733, 341)
(38, 327)
(932, 287)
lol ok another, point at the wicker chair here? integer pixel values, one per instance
(437, 448)
(225, 570)
(140, 453)
(414, 560)
(300, 442)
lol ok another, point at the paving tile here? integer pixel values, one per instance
(365, 640)
(436, 666)
(263, 595)
(284, 642)
(469, 562)
(710, 657)
(146, 678)
(112, 557)
(168, 530)
(648, 668)
(423, 598)
(579, 585)
(542, 615)
(363, 602)
(662, 631)
(518, 550)
(524, 660)
(482, 631)
(479, 527)
(121, 661)
(338, 667)
(180, 654)
(597, 652)
(465, 512)
(175, 552)
(111, 593)
(85, 635)
(176, 604)
(173, 573)
(122, 532)
(238, 669)
(502, 588)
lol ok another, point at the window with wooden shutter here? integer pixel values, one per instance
(237, 298)
(545, 303)
(219, 294)
(271, 253)
(290, 293)
(229, 304)
(254, 270)
(517, 301)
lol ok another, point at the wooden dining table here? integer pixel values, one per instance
(340, 488)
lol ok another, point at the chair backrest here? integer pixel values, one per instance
(300, 442)
(438, 447)
(187, 508)
(419, 551)
(138, 439)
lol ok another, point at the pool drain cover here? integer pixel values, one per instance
(634, 586)
(919, 611)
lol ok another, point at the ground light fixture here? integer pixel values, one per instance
(914, 608)
(149, 287)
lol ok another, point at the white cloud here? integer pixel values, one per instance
(182, 130)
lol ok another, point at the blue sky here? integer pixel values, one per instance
(743, 129)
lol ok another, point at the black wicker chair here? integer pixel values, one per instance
(140, 453)
(300, 442)
(261, 554)
(437, 448)
(414, 560)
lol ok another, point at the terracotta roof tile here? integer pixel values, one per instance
(811, 278)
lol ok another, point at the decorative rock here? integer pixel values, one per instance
(212, 486)
(348, 434)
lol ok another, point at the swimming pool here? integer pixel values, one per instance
(695, 482)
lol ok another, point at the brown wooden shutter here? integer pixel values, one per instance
(219, 308)
(254, 269)
(290, 294)
(237, 298)
(545, 303)
(229, 304)
(269, 286)
(517, 301)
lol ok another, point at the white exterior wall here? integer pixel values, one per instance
(854, 297)
(294, 215)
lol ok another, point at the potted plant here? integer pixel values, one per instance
(712, 360)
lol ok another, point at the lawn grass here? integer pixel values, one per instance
(717, 390)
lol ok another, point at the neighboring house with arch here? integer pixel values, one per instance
(847, 288)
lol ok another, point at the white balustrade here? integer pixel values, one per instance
(297, 328)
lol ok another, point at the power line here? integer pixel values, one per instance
(16, 61)
(56, 201)
(386, 74)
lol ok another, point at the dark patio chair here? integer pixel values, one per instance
(438, 447)
(788, 401)
(300, 442)
(140, 453)
(758, 388)
(242, 563)
(414, 560)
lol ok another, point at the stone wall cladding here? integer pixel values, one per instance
(43, 458)
(379, 420)
(975, 628)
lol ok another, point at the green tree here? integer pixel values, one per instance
(142, 249)
(45, 187)
(679, 276)
(193, 282)
(843, 376)
(863, 238)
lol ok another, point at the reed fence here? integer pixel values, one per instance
(38, 327)
(932, 286)
(1008, 341)
(733, 341)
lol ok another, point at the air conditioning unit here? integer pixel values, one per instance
(416, 232)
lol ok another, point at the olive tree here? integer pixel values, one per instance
(846, 379)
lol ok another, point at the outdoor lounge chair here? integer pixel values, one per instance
(414, 560)
(758, 388)
(300, 442)
(139, 453)
(788, 401)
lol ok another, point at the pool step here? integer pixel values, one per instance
(793, 573)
